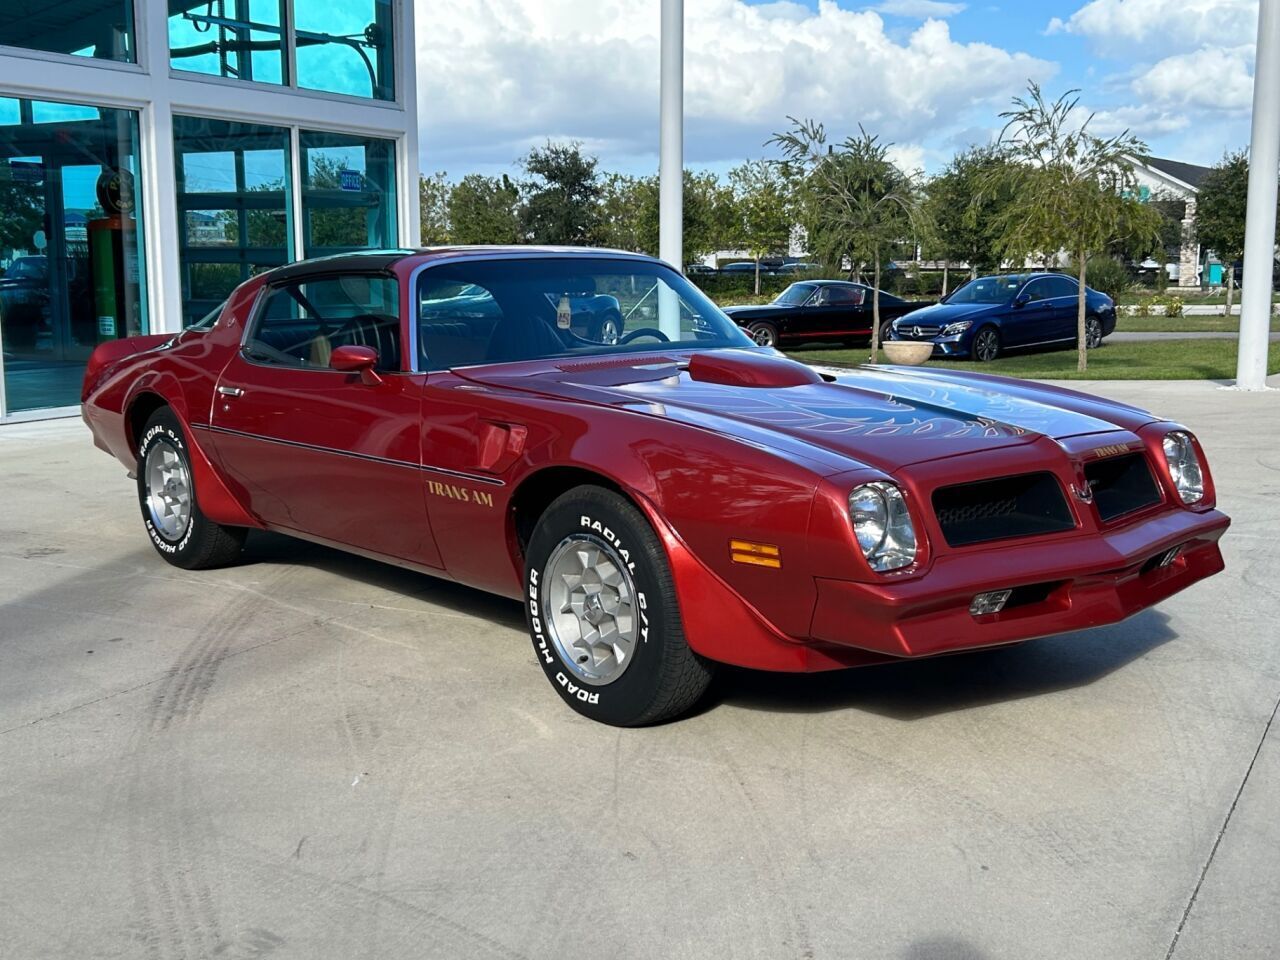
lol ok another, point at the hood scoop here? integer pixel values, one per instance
(742, 368)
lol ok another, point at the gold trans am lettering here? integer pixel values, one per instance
(461, 494)
(1111, 450)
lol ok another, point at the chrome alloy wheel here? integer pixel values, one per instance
(168, 490)
(1092, 333)
(609, 331)
(988, 345)
(589, 606)
(762, 334)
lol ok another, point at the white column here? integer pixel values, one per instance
(160, 218)
(1260, 220)
(671, 149)
(407, 147)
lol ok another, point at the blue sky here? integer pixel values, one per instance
(931, 76)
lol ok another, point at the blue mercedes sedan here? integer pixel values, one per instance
(1012, 311)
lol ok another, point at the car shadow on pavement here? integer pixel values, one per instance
(263, 547)
(916, 689)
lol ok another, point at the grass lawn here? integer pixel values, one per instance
(1149, 360)
(1192, 324)
(1133, 297)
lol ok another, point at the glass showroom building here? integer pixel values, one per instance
(155, 153)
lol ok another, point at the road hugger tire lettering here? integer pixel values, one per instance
(602, 612)
(171, 514)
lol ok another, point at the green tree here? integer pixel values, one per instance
(560, 195)
(855, 203)
(965, 202)
(764, 215)
(21, 213)
(619, 223)
(1220, 212)
(1076, 191)
(433, 204)
(484, 210)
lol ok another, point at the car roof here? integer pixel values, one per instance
(382, 260)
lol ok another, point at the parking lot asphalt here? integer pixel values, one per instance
(312, 755)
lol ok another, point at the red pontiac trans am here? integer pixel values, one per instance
(671, 499)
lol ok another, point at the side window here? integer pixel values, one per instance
(846, 296)
(1035, 290)
(456, 322)
(302, 322)
(1062, 287)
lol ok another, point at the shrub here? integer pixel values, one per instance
(1108, 275)
(1173, 306)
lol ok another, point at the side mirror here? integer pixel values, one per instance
(1020, 302)
(361, 360)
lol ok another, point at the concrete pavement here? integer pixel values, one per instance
(312, 755)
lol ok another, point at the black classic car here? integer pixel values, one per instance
(813, 310)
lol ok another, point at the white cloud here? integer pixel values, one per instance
(496, 76)
(1129, 27)
(919, 9)
(1211, 78)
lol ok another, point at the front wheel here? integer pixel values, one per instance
(764, 334)
(603, 614)
(986, 345)
(177, 528)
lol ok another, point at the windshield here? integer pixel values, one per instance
(27, 268)
(795, 295)
(505, 310)
(987, 290)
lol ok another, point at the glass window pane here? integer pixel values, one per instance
(302, 323)
(346, 47)
(234, 206)
(85, 28)
(348, 193)
(71, 253)
(242, 39)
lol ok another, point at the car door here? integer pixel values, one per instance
(847, 311)
(1065, 296)
(320, 452)
(1030, 319)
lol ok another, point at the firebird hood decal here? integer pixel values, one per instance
(879, 416)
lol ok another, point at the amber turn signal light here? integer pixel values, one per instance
(755, 554)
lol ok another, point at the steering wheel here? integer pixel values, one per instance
(644, 332)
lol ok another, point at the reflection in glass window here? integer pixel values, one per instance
(348, 193)
(71, 252)
(346, 47)
(95, 28)
(241, 39)
(234, 206)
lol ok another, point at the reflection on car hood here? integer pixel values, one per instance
(944, 313)
(886, 417)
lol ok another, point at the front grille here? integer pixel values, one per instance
(1121, 485)
(1021, 506)
(907, 331)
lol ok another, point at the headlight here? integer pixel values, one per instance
(1184, 466)
(882, 526)
(951, 329)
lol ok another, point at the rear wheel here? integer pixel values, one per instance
(603, 614)
(986, 345)
(178, 529)
(609, 329)
(1092, 333)
(764, 334)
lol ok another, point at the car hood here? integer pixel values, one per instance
(757, 310)
(835, 420)
(944, 313)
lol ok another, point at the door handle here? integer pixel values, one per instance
(231, 391)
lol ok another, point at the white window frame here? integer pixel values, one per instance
(156, 91)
